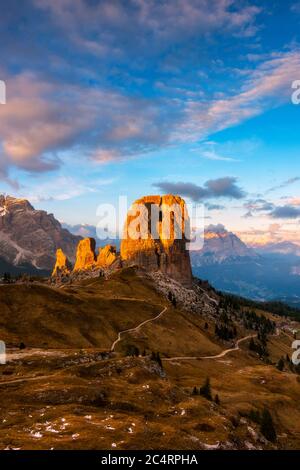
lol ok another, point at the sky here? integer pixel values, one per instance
(128, 98)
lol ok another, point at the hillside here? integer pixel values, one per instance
(68, 389)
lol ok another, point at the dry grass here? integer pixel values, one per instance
(71, 399)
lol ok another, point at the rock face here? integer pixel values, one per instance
(107, 256)
(31, 237)
(156, 248)
(62, 266)
(85, 255)
(86, 258)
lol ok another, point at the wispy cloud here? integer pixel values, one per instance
(63, 188)
(267, 86)
(106, 106)
(286, 183)
(117, 25)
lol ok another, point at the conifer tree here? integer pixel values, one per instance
(205, 390)
(280, 364)
(267, 426)
(217, 399)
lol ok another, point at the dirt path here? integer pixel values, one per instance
(136, 328)
(56, 352)
(217, 356)
(28, 379)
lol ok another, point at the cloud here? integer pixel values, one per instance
(103, 27)
(286, 183)
(274, 233)
(63, 188)
(266, 86)
(95, 94)
(286, 212)
(257, 206)
(212, 155)
(295, 8)
(214, 207)
(40, 121)
(219, 188)
(218, 228)
(33, 124)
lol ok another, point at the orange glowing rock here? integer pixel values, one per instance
(85, 255)
(62, 265)
(154, 236)
(107, 256)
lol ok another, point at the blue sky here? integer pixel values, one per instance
(109, 98)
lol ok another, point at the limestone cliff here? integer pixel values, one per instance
(161, 243)
(62, 266)
(86, 258)
(85, 255)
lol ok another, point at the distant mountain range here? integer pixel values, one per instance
(271, 272)
(29, 239)
(87, 230)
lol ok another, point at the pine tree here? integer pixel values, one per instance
(7, 277)
(217, 399)
(254, 415)
(280, 364)
(158, 360)
(156, 357)
(252, 345)
(267, 426)
(206, 326)
(205, 390)
(195, 391)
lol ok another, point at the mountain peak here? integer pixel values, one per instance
(31, 237)
(10, 203)
(221, 246)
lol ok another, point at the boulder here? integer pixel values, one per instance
(154, 237)
(85, 255)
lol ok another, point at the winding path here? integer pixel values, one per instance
(129, 330)
(217, 356)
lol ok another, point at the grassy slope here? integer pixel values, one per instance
(91, 314)
(101, 400)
